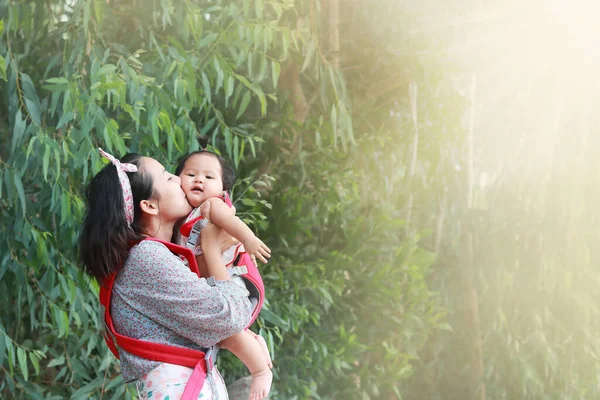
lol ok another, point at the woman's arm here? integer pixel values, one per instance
(158, 285)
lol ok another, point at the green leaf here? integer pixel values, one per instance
(22, 357)
(18, 130)
(228, 141)
(263, 102)
(58, 81)
(208, 39)
(33, 111)
(275, 71)
(248, 202)
(3, 68)
(220, 76)
(206, 85)
(243, 105)
(154, 125)
(35, 362)
(258, 8)
(236, 150)
(207, 126)
(229, 87)
(310, 52)
(252, 148)
(64, 119)
(57, 161)
(29, 90)
(276, 320)
(56, 362)
(3, 337)
(46, 162)
(107, 69)
(64, 208)
(334, 122)
(20, 191)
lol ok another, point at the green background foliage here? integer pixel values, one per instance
(394, 275)
(149, 77)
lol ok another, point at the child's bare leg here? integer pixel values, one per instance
(263, 346)
(249, 351)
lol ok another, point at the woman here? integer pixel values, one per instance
(155, 296)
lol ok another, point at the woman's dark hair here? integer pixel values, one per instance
(227, 172)
(105, 237)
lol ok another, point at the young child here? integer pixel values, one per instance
(206, 177)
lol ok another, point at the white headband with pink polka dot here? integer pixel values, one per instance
(124, 180)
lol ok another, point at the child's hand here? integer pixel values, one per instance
(257, 249)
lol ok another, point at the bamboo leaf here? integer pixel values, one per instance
(243, 105)
(208, 39)
(3, 337)
(107, 69)
(3, 69)
(18, 130)
(57, 362)
(310, 52)
(46, 162)
(220, 76)
(236, 150)
(258, 8)
(276, 320)
(35, 362)
(206, 84)
(229, 87)
(275, 71)
(22, 358)
(20, 191)
(33, 111)
(64, 119)
(228, 141)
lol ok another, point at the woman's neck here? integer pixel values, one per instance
(159, 230)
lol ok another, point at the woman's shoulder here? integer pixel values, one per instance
(150, 252)
(149, 246)
(148, 261)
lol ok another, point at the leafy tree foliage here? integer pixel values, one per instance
(345, 143)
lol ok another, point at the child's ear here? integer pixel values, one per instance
(149, 206)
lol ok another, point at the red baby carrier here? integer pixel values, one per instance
(202, 362)
(242, 264)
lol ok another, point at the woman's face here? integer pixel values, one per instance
(172, 202)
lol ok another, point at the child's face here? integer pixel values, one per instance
(201, 178)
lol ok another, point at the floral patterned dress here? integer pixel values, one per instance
(157, 298)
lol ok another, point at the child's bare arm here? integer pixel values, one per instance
(223, 216)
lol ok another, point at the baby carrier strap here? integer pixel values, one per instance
(202, 362)
(243, 266)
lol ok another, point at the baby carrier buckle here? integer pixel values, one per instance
(194, 237)
(210, 358)
(236, 270)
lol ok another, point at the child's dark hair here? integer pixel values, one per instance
(105, 237)
(227, 172)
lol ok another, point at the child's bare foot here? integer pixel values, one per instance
(265, 349)
(261, 384)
